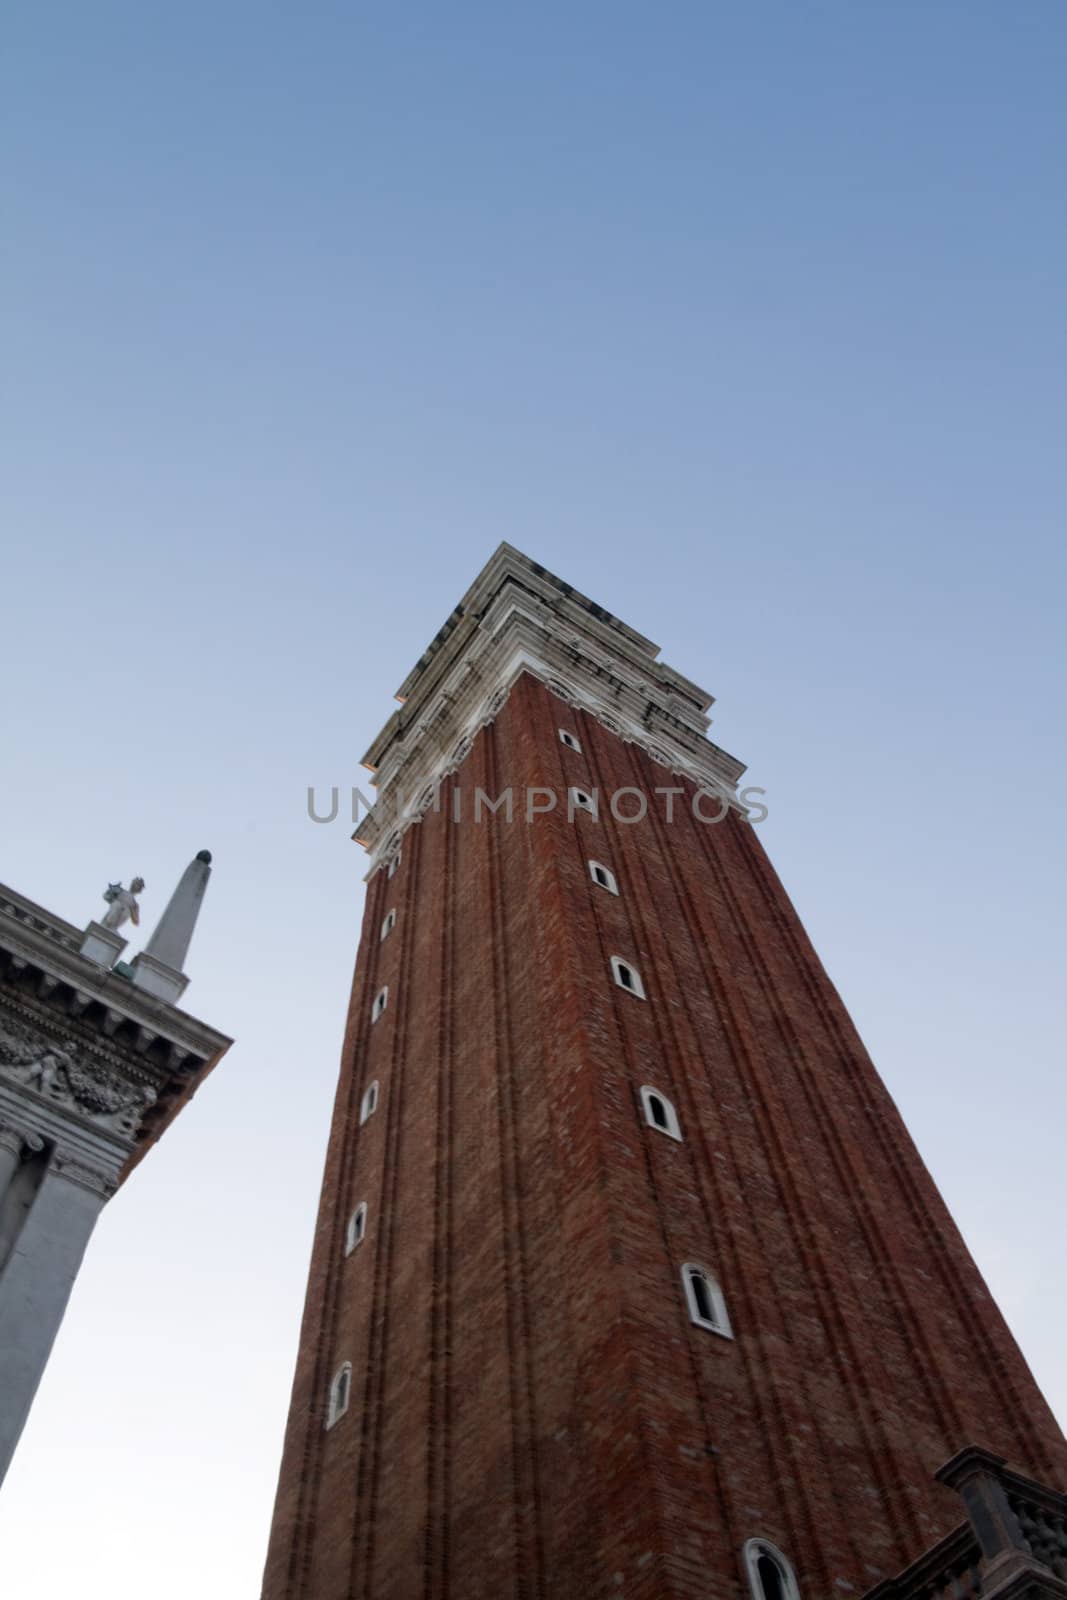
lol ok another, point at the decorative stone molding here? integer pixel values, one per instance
(89, 1044)
(518, 618)
(31, 917)
(95, 1179)
(11, 1138)
(34, 951)
(94, 1089)
(1013, 1545)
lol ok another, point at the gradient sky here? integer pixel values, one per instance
(748, 320)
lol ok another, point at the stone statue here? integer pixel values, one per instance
(42, 1072)
(122, 904)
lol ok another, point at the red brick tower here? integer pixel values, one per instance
(627, 1280)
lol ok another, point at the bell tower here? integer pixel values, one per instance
(627, 1278)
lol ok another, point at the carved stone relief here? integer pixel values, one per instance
(71, 1078)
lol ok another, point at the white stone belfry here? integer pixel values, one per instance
(96, 1061)
(515, 618)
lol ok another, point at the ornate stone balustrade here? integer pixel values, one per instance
(1013, 1545)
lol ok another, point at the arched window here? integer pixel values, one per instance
(627, 977)
(369, 1104)
(579, 800)
(357, 1227)
(394, 862)
(659, 1113)
(388, 924)
(707, 1308)
(770, 1577)
(381, 1000)
(603, 877)
(340, 1391)
(569, 740)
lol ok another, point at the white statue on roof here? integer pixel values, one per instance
(122, 904)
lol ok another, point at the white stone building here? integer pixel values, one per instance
(96, 1060)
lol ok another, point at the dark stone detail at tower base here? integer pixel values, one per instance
(1012, 1547)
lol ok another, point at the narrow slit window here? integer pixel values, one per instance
(659, 1112)
(707, 1307)
(381, 1000)
(702, 1301)
(627, 977)
(357, 1228)
(603, 876)
(369, 1104)
(388, 924)
(580, 800)
(394, 862)
(340, 1393)
(770, 1575)
(771, 1586)
(569, 740)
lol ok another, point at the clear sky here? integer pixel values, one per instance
(748, 320)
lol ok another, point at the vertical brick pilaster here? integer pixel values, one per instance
(534, 1414)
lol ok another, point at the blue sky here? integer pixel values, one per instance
(746, 320)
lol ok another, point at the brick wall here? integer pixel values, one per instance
(533, 1413)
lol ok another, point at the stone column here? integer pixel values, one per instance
(10, 1150)
(35, 1284)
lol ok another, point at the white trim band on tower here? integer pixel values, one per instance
(516, 618)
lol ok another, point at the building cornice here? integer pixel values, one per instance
(517, 618)
(31, 935)
(80, 1042)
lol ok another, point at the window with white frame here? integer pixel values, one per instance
(707, 1308)
(603, 876)
(394, 862)
(381, 1000)
(659, 1113)
(627, 977)
(357, 1227)
(388, 924)
(369, 1104)
(580, 800)
(569, 740)
(770, 1576)
(340, 1394)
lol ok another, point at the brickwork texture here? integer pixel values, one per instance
(533, 1413)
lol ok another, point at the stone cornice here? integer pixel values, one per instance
(518, 618)
(31, 936)
(90, 1156)
(506, 563)
(59, 1063)
(46, 923)
(104, 1042)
